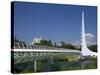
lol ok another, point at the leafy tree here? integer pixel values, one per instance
(50, 43)
(63, 43)
(68, 46)
(45, 43)
(93, 48)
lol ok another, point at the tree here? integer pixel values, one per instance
(50, 43)
(63, 43)
(68, 46)
(45, 43)
(93, 48)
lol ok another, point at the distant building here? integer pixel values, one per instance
(36, 40)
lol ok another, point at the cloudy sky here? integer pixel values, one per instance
(89, 39)
(54, 21)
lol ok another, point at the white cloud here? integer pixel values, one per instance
(89, 36)
(89, 40)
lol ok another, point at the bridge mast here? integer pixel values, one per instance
(84, 49)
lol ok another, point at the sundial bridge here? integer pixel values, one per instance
(24, 53)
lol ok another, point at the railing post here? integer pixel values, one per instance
(18, 45)
(26, 46)
(35, 65)
(23, 46)
(33, 47)
(30, 47)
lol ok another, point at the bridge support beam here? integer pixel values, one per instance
(35, 66)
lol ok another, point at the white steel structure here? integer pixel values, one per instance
(84, 49)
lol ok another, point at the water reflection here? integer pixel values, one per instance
(47, 66)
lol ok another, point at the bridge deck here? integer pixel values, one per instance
(25, 53)
(44, 50)
(38, 48)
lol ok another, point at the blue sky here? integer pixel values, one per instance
(52, 21)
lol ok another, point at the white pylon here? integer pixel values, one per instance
(84, 49)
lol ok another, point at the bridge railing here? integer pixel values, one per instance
(26, 46)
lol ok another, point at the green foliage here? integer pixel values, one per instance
(93, 48)
(68, 46)
(45, 43)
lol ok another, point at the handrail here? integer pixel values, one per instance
(26, 46)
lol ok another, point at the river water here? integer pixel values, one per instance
(48, 66)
